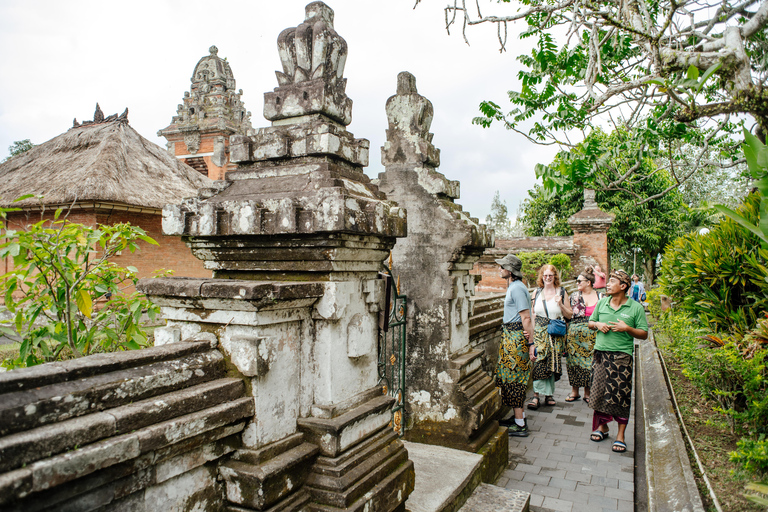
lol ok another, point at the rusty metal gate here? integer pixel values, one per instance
(392, 344)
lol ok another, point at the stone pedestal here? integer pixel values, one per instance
(450, 400)
(296, 237)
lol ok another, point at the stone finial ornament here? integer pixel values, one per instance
(313, 49)
(98, 118)
(313, 57)
(410, 118)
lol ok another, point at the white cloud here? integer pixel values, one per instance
(60, 58)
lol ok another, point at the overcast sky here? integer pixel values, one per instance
(61, 57)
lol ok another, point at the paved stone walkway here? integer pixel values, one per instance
(562, 468)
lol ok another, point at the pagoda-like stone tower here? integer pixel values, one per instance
(590, 227)
(212, 111)
(296, 237)
(450, 401)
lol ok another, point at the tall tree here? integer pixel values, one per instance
(19, 147)
(677, 74)
(647, 226)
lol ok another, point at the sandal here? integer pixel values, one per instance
(534, 403)
(571, 398)
(550, 401)
(598, 435)
(619, 447)
(586, 399)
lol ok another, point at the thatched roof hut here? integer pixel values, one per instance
(100, 161)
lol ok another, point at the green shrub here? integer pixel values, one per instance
(752, 455)
(720, 278)
(532, 262)
(562, 263)
(65, 296)
(653, 297)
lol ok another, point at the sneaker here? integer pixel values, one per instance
(507, 422)
(518, 431)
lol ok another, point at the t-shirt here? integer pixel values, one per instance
(518, 299)
(630, 312)
(599, 280)
(637, 291)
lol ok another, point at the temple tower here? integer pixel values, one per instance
(211, 112)
(450, 401)
(296, 237)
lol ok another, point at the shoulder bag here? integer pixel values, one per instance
(557, 326)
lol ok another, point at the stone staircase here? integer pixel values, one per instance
(101, 430)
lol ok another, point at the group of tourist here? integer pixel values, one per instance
(593, 328)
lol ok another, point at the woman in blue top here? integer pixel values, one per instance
(513, 371)
(638, 290)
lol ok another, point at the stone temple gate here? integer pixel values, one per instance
(263, 390)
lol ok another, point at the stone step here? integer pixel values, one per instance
(38, 443)
(261, 486)
(457, 471)
(31, 408)
(490, 498)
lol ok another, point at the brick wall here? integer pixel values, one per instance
(171, 253)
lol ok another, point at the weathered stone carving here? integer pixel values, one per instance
(298, 234)
(98, 118)
(192, 141)
(451, 400)
(313, 57)
(410, 118)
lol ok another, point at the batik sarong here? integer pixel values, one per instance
(579, 347)
(548, 356)
(611, 391)
(513, 371)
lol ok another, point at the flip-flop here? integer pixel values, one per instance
(571, 398)
(599, 433)
(619, 447)
(586, 399)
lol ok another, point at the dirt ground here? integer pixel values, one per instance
(713, 441)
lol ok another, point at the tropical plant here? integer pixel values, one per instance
(532, 262)
(756, 154)
(65, 295)
(720, 277)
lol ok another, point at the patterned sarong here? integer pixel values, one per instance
(611, 391)
(580, 344)
(514, 369)
(548, 358)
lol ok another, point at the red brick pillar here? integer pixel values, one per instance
(590, 234)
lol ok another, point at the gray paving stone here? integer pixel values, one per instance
(512, 474)
(527, 468)
(562, 483)
(554, 473)
(536, 479)
(602, 501)
(574, 496)
(560, 457)
(616, 493)
(578, 476)
(546, 491)
(598, 456)
(606, 481)
(521, 486)
(626, 506)
(627, 486)
(556, 504)
(536, 500)
(592, 490)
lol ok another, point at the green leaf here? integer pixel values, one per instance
(84, 303)
(692, 73)
(708, 73)
(132, 269)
